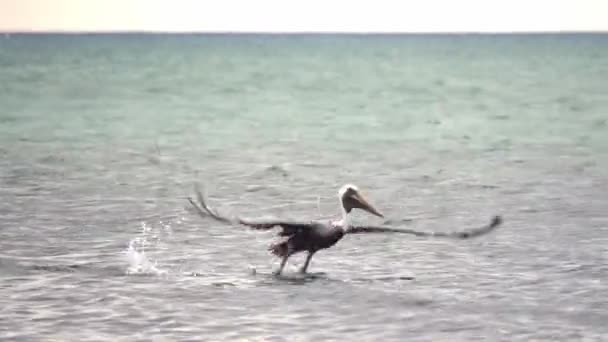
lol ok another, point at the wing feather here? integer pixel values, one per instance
(466, 234)
(204, 210)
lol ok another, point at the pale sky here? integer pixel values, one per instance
(304, 15)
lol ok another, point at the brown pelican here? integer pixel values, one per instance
(312, 236)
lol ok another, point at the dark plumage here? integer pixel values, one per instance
(312, 236)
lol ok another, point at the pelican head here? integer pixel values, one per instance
(351, 198)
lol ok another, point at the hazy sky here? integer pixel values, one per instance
(304, 15)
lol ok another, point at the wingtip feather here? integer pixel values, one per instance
(496, 221)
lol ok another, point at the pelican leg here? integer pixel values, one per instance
(283, 263)
(307, 262)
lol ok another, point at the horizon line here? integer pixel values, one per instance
(311, 32)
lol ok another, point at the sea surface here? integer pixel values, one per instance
(102, 138)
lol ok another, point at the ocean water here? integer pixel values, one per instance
(102, 137)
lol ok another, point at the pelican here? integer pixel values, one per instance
(313, 236)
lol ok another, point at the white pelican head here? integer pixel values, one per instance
(351, 198)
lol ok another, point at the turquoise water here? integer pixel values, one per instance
(103, 136)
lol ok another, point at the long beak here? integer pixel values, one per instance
(364, 204)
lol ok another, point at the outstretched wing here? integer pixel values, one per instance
(289, 227)
(466, 234)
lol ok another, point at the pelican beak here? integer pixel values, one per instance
(362, 203)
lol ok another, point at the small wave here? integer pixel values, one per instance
(56, 268)
(383, 279)
(277, 169)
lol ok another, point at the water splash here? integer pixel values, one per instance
(139, 263)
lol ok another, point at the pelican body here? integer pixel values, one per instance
(312, 236)
(318, 235)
